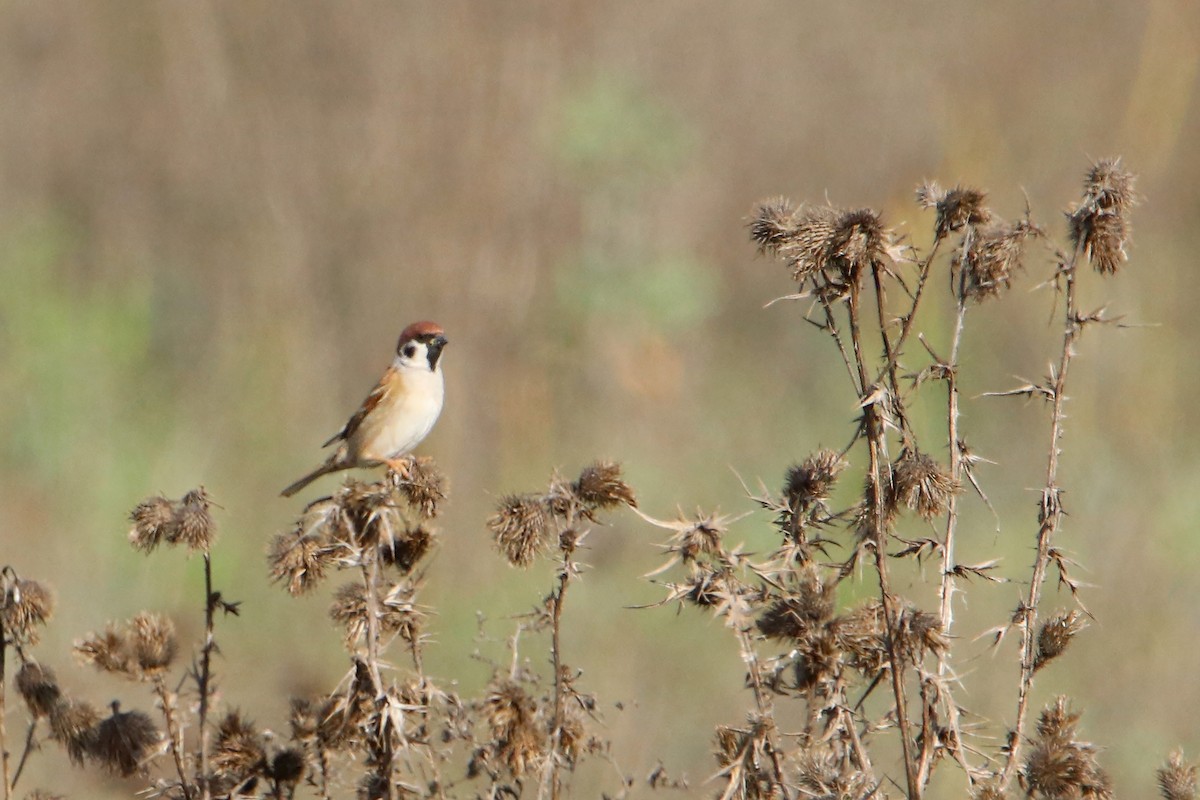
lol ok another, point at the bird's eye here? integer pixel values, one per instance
(410, 350)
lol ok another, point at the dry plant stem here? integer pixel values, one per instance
(174, 735)
(946, 593)
(8, 783)
(29, 743)
(877, 460)
(907, 327)
(1051, 517)
(557, 598)
(205, 679)
(384, 754)
(766, 709)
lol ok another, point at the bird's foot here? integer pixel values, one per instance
(401, 468)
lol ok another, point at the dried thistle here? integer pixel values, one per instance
(1177, 778)
(991, 258)
(859, 240)
(957, 207)
(367, 514)
(922, 484)
(139, 649)
(862, 635)
(152, 637)
(600, 486)
(153, 522)
(239, 751)
(516, 738)
(288, 766)
(39, 689)
(811, 481)
(520, 528)
(194, 524)
(798, 614)
(773, 225)
(124, 741)
(397, 613)
(300, 558)
(1099, 224)
(807, 250)
(108, 651)
(1055, 634)
(74, 725)
(1058, 766)
(27, 606)
(423, 485)
(407, 548)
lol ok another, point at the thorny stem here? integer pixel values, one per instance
(1050, 516)
(875, 468)
(25, 753)
(174, 735)
(205, 679)
(556, 600)
(382, 738)
(946, 590)
(946, 593)
(8, 783)
(766, 709)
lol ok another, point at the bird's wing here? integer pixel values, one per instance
(373, 399)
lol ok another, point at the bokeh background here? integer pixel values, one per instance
(215, 217)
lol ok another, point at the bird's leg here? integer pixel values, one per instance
(400, 467)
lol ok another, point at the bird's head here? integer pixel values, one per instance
(420, 346)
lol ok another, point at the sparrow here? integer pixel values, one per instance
(397, 414)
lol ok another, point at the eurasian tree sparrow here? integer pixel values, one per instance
(397, 414)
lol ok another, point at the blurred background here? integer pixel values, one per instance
(215, 218)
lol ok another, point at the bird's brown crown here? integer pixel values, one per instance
(420, 330)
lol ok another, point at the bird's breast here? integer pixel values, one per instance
(404, 417)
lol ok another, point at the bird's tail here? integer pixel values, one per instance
(324, 469)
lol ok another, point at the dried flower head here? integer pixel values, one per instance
(1058, 766)
(396, 611)
(288, 766)
(39, 689)
(1055, 634)
(75, 725)
(987, 790)
(1099, 224)
(801, 612)
(423, 485)
(812, 481)
(238, 751)
(922, 484)
(108, 651)
(408, 547)
(511, 715)
(194, 527)
(153, 522)
(1177, 778)
(152, 637)
(27, 606)
(124, 740)
(859, 241)
(304, 719)
(520, 528)
(957, 207)
(773, 225)
(862, 635)
(300, 558)
(807, 250)
(365, 514)
(140, 649)
(918, 632)
(600, 486)
(991, 258)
